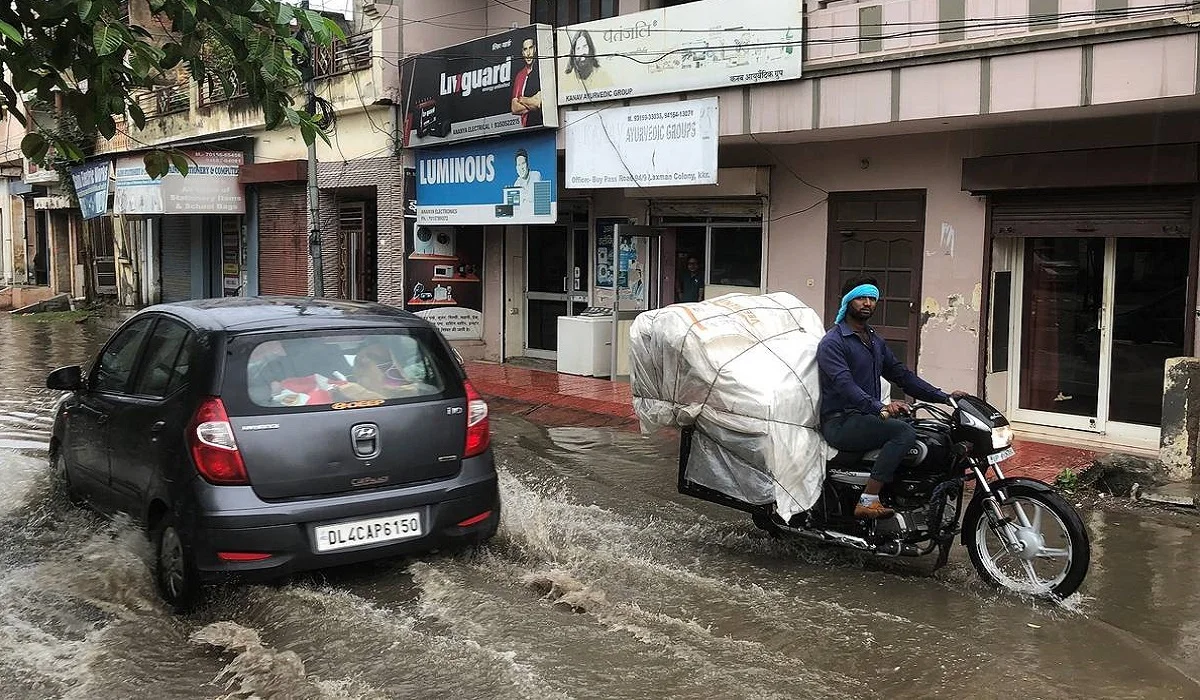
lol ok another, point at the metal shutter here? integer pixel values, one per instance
(176, 258)
(1147, 214)
(283, 240)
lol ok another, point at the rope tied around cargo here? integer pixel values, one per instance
(863, 290)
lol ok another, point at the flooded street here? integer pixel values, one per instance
(602, 583)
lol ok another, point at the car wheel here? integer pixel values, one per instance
(175, 573)
(61, 479)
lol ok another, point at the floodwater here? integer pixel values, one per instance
(602, 583)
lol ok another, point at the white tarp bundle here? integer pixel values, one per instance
(743, 370)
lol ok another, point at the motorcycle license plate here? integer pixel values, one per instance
(1000, 456)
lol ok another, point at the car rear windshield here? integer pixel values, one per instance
(336, 370)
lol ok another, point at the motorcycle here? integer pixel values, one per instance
(1020, 534)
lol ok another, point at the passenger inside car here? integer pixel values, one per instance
(376, 371)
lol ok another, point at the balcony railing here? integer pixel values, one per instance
(165, 100)
(343, 56)
(845, 30)
(354, 53)
(213, 91)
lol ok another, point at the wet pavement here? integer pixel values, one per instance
(602, 583)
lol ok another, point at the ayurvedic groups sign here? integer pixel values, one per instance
(660, 145)
(511, 180)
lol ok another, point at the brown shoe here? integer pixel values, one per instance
(875, 511)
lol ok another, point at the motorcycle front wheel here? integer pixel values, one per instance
(1054, 553)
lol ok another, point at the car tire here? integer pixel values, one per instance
(60, 475)
(175, 574)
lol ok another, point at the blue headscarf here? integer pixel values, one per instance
(862, 290)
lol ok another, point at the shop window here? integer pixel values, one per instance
(564, 12)
(735, 256)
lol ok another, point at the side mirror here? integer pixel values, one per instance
(66, 379)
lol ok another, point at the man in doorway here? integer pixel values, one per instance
(527, 87)
(851, 359)
(691, 282)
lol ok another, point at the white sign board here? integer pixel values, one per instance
(660, 145)
(694, 46)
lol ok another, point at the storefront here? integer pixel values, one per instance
(184, 236)
(486, 170)
(1093, 288)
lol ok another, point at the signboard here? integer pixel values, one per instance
(211, 186)
(694, 46)
(511, 180)
(643, 146)
(38, 175)
(57, 201)
(91, 188)
(495, 85)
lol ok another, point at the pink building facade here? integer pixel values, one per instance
(1021, 177)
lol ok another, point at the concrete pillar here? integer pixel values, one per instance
(1180, 444)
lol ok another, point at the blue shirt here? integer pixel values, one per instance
(850, 372)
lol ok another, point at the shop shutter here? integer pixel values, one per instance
(283, 240)
(176, 258)
(1103, 214)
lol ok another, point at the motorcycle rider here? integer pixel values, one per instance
(851, 359)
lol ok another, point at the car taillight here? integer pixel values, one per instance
(214, 450)
(478, 430)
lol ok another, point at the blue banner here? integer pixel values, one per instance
(91, 188)
(510, 180)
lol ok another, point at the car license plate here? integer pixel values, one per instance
(361, 533)
(1000, 456)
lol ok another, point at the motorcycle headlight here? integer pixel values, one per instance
(1002, 437)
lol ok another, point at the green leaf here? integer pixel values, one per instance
(257, 44)
(107, 38)
(157, 164)
(137, 115)
(35, 146)
(274, 64)
(309, 132)
(11, 32)
(334, 30)
(190, 6)
(68, 149)
(85, 9)
(180, 161)
(107, 127)
(284, 14)
(241, 25)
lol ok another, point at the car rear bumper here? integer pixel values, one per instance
(286, 530)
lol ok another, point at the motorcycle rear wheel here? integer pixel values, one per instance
(1056, 552)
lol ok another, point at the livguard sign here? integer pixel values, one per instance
(496, 85)
(509, 180)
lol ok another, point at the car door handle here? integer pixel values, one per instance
(157, 427)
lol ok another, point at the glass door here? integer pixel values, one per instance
(556, 283)
(1098, 318)
(1149, 323)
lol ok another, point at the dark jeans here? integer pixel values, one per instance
(854, 432)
